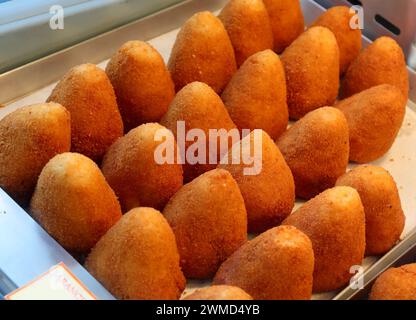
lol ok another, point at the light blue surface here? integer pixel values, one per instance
(30, 37)
(27, 251)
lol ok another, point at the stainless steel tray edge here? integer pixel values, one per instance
(404, 251)
(21, 81)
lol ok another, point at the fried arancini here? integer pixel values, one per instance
(311, 65)
(338, 20)
(209, 220)
(276, 265)
(138, 258)
(396, 284)
(269, 191)
(131, 169)
(29, 138)
(86, 92)
(335, 222)
(286, 18)
(200, 108)
(316, 149)
(381, 62)
(202, 52)
(384, 218)
(374, 119)
(220, 292)
(256, 95)
(142, 83)
(248, 25)
(73, 202)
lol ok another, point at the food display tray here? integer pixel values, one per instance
(22, 258)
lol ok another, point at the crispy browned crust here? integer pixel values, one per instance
(316, 149)
(286, 18)
(201, 108)
(86, 92)
(396, 284)
(337, 19)
(256, 95)
(335, 222)
(29, 137)
(73, 202)
(276, 265)
(374, 119)
(141, 82)
(209, 220)
(220, 292)
(381, 62)
(132, 171)
(202, 52)
(138, 258)
(269, 196)
(311, 65)
(248, 25)
(384, 217)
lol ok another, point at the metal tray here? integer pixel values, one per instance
(32, 83)
(403, 253)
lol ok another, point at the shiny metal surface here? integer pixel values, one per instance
(27, 251)
(28, 22)
(37, 74)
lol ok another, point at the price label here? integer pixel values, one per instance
(58, 283)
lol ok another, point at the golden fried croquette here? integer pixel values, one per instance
(248, 25)
(276, 265)
(269, 191)
(29, 138)
(220, 292)
(384, 218)
(338, 20)
(381, 62)
(311, 65)
(256, 95)
(316, 149)
(334, 221)
(199, 107)
(209, 220)
(286, 18)
(134, 174)
(396, 284)
(374, 119)
(86, 92)
(138, 258)
(73, 202)
(142, 83)
(202, 52)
